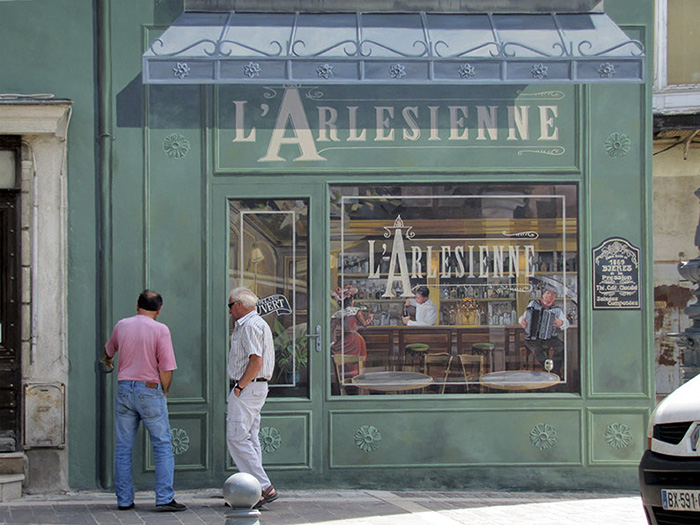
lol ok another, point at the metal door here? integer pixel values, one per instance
(10, 352)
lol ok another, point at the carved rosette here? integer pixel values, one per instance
(176, 146)
(397, 71)
(618, 144)
(181, 70)
(543, 436)
(325, 71)
(180, 440)
(270, 439)
(466, 71)
(539, 71)
(251, 70)
(606, 70)
(618, 435)
(368, 438)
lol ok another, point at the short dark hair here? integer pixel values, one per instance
(423, 290)
(150, 300)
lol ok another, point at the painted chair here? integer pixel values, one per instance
(473, 369)
(441, 360)
(340, 361)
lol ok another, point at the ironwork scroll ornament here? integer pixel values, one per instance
(498, 47)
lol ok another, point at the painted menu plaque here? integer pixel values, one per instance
(616, 275)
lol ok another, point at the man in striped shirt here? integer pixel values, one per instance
(251, 361)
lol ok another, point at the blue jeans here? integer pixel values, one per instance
(137, 403)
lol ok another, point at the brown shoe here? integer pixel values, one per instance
(268, 496)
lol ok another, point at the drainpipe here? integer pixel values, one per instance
(105, 438)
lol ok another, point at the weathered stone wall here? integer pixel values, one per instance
(676, 212)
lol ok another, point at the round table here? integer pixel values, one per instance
(392, 381)
(519, 380)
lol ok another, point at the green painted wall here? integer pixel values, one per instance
(49, 48)
(169, 233)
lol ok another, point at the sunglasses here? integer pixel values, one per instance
(232, 303)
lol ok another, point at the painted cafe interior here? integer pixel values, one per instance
(446, 229)
(480, 252)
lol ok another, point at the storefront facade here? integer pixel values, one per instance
(347, 188)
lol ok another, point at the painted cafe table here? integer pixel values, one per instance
(390, 381)
(519, 380)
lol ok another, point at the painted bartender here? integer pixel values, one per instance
(426, 311)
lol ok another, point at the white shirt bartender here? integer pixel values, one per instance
(426, 311)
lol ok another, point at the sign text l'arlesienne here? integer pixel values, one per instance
(455, 258)
(273, 128)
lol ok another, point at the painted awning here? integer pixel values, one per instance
(381, 48)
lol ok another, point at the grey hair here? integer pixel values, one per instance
(245, 296)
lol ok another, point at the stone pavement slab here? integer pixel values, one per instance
(341, 507)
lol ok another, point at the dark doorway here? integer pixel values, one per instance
(10, 301)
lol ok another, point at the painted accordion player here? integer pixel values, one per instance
(540, 323)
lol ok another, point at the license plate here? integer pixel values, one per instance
(680, 499)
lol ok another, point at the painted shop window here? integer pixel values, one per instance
(269, 246)
(454, 288)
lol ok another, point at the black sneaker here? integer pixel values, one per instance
(173, 506)
(126, 507)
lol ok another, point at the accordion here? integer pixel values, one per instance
(540, 323)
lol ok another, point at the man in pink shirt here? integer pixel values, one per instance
(145, 371)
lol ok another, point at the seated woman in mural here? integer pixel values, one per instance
(345, 324)
(542, 322)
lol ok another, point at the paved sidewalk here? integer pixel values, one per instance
(352, 507)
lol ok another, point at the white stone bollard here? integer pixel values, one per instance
(242, 491)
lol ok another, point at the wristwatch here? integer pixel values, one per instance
(239, 387)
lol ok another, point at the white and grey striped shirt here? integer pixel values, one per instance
(251, 335)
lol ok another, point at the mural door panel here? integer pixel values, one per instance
(272, 243)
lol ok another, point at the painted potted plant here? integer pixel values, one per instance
(291, 351)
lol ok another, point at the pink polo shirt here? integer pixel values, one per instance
(145, 349)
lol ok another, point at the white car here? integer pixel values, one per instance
(669, 472)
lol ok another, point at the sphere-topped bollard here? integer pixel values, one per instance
(242, 491)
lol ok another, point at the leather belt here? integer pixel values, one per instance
(147, 384)
(232, 382)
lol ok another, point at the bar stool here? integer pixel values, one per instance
(486, 350)
(416, 350)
